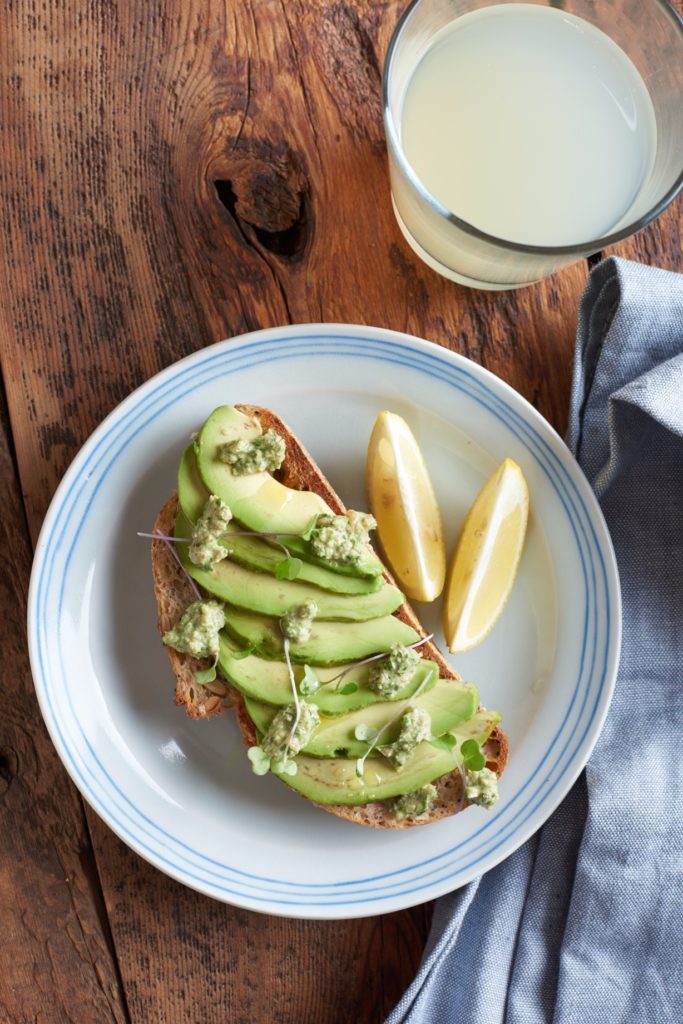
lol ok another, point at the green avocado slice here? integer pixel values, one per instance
(334, 780)
(260, 592)
(269, 682)
(330, 643)
(258, 554)
(448, 704)
(256, 499)
(259, 500)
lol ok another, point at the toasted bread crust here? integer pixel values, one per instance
(174, 593)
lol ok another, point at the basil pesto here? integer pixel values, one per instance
(205, 545)
(280, 742)
(416, 726)
(394, 672)
(297, 623)
(412, 805)
(196, 633)
(264, 453)
(481, 787)
(342, 539)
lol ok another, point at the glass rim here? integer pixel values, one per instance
(577, 249)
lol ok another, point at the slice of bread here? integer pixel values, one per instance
(174, 594)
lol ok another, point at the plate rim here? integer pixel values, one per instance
(371, 904)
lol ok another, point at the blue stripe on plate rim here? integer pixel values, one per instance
(111, 439)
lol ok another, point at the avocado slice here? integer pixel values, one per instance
(269, 682)
(334, 780)
(449, 703)
(260, 592)
(258, 554)
(330, 643)
(259, 500)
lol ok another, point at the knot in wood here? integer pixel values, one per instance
(9, 767)
(268, 193)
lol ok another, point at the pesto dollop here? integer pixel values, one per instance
(280, 743)
(342, 539)
(481, 787)
(412, 805)
(263, 453)
(416, 726)
(205, 545)
(394, 672)
(196, 632)
(297, 623)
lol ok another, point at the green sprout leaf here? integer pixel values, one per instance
(476, 762)
(349, 688)
(365, 733)
(308, 532)
(238, 655)
(284, 765)
(472, 755)
(309, 683)
(260, 762)
(446, 742)
(206, 675)
(288, 568)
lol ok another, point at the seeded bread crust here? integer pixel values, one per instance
(174, 593)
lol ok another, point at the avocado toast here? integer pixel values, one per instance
(359, 620)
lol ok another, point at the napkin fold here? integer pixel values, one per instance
(584, 923)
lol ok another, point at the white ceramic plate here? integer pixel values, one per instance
(181, 793)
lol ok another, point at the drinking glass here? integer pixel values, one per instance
(650, 34)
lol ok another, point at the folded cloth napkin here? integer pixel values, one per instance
(584, 923)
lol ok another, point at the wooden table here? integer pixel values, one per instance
(172, 174)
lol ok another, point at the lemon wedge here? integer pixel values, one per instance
(403, 502)
(486, 558)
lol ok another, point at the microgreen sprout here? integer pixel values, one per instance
(272, 537)
(289, 568)
(308, 532)
(207, 675)
(360, 763)
(260, 762)
(366, 661)
(365, 733)
(158, 535)
(309, 683)
(472, 756)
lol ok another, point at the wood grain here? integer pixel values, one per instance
(195, 959)
(56, 959)
(175, 173)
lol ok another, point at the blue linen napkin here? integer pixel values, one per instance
(584, 923)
